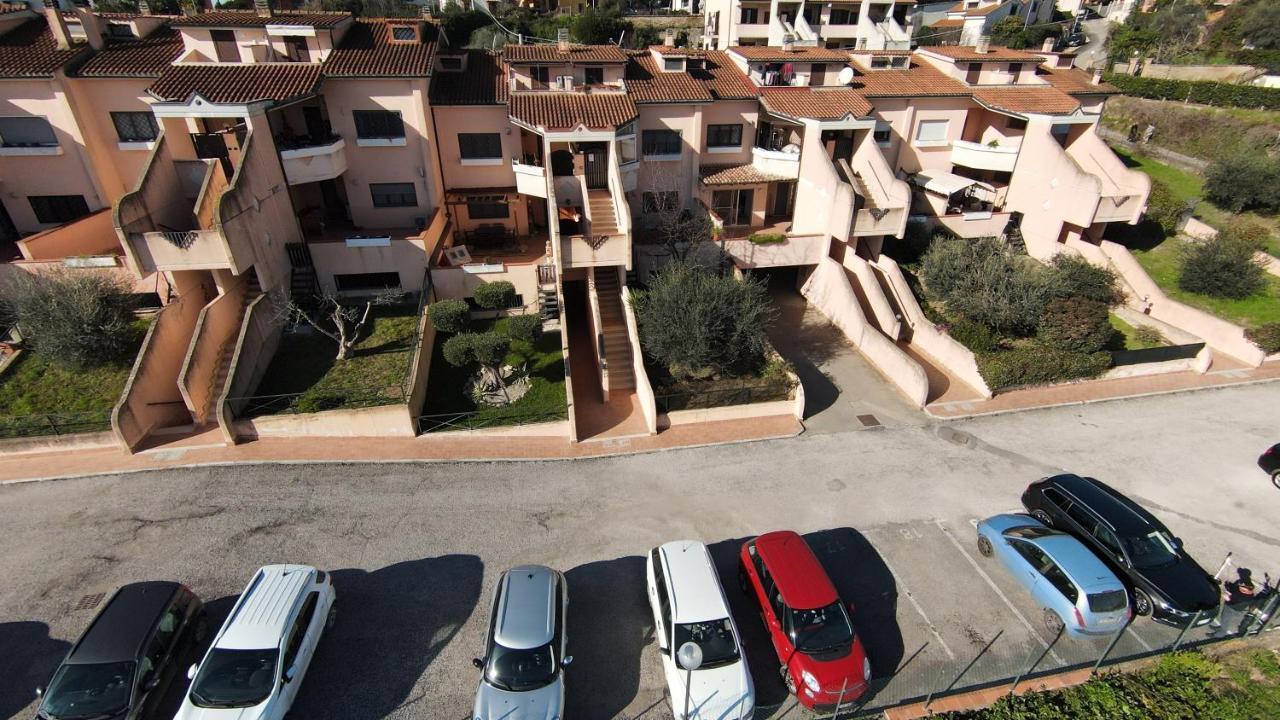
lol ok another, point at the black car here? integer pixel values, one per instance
(123, 663)
(1165, 580)
(1076, 39)
(1270, 463)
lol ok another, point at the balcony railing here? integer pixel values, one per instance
(553, 86)
(1000, 158)
(309, 160)
(776, 162)
(531, 177)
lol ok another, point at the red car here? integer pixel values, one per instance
(823, 662)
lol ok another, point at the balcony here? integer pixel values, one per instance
(776, 162)
(185, 250)
(753, 31)
(531, 179)
(312, 161)
(1000, 158)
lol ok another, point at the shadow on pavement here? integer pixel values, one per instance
(610, 628)
(28, 657)
(391, 624)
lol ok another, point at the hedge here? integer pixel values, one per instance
(1269, 59)
(767, 238)
(1201, 92)
(1038, 365)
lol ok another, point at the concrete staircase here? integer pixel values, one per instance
(617, 346)
(604, 220)
(860, 187)
(207, 414)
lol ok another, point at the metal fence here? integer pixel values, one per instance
(743, 394)
(479, 420)
(21, 426)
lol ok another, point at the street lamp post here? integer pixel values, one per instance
(690, 658)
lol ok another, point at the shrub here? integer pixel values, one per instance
(78, 319)
(1074, 277)
(1164, 207)
(698, 322)
(497, 295)
(1266, 337)
(1075, 324)
(1244, 180)
(1203, 93)
(524, 328)
(1148, 335)
(451, 315)
(458, 350)
(767, 238)
(1038, 365)
(977, 338)
(981, 281)
(1222, 267)
(490, 349)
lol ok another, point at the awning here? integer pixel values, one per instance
(945, 183)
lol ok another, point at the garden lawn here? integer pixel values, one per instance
(1163, 262)
(36, 385)
(545, 399)
(1128, 336)
(305, 368)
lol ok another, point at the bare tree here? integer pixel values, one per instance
(679, 228)
(337, 320)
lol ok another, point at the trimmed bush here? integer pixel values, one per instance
(1203, 93)
(1244, 180)
(1075, 324)
(977, 338)
(1039, 365)
(767, 238)
(1148, 335)
(459, 349)
(1075, 277)
(1266, 337)
(497, 295)
(980, 281)
(1223, 267)
(451, 316)
(524, 328)
(80, 320)
(490, 349)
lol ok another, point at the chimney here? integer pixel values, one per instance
(669, 37)
(189, 8)
(1047, 45)
(426, 11)
(562, 41)
(262, 7)
(92, 28)
(983, 46)
(1097, 77)
(58, 26)
(788, 43)
(143, 7)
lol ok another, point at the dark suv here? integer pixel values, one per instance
(122, 665)
(1166, 582)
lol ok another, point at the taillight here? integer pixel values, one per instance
(1079, 617)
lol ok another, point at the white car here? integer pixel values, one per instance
(257, 661)
(689, 605)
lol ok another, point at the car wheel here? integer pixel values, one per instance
(1141, 603)
(1043, 517)
(1053, 623)
(1275, 478)
(788, 680)
(984, 546)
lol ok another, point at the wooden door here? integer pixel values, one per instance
(596, 165)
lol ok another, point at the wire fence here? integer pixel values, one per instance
(37, 424)
(700, 399)
(482, 419)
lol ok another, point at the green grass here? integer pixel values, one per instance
(1128, 337)
(305, 368)
(34, 385)
(545, 399)
(1163, 262)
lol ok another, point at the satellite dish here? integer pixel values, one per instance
(846, 75)
(690, 656)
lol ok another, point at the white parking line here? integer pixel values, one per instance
(903, 586)
(1138, 637)
(993, 586)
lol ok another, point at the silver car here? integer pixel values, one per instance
(524, 658)
(1078, 593)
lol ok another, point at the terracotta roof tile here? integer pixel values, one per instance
(481, 83)
(550, 53)
(1043, 99)
(1075, 81)
(815, 103)
(250, 18)
(948, 23)
(726, 81)
(764, 53)
(6, 8)
(564, 111)
(736, 175)
(366, 50)
(967, 53)
(237, 83)
(29, 50)
(646, 83)
(145, 57)
(678, 51)
(916, 81)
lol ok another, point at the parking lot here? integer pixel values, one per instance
(416, 550)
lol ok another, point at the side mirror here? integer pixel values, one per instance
(290, 674)
(1177, 543)
(478, 663)
(567, 661)
(191, 672)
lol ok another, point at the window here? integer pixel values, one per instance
(450, 63)
(295, 48)
(135, 126)
(973, 73)
(883, 134)
(541, 73)
(750, 16)
(378, 124)
(660, 201)
(303, 623)
(841, 16)
(664, 603)
(720, 136)
(1057, 498)
(404, 34)
(1014, 70)
(480, 146)
(354, 282)
(879, 63)
(673, 64)
(593, 75)
(393, 194)
(488, 210)
(931, 132)
(120, 31)
(58, 208)
(1016, 124)
(1059, 580)
(813, 14)
(224, 45)
(29, 131)
(1108, 539)
(1082, 517)
(660, 142)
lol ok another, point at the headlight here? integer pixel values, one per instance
(810, 681)
(866, 670)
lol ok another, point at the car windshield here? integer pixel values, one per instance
(235, 678)
(1109, 601)
(1152, 550)
(821, 630)
(715, 638)
(519, 670)
(85, 691)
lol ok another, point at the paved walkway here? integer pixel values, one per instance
(621, 416)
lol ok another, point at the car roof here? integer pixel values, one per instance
(526, 615)
(1085, 569)
(261, 615)
(122, 626)
(1122, 514)
(692, 580)
(796, 571)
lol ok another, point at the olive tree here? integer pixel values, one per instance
(74, 317)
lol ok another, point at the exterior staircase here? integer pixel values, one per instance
(617, 346)
(604, 220)
(867, 200)
(251, 292)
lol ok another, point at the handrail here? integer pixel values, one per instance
(234, 186)
(597, 326)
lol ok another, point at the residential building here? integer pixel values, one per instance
(969, 20)
(873, 25)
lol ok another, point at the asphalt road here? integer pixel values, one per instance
(415, 549)
(1094, 51)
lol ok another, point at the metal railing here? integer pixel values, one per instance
(182, 240)
(38, 424)
(744, 394)
(481, 419)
